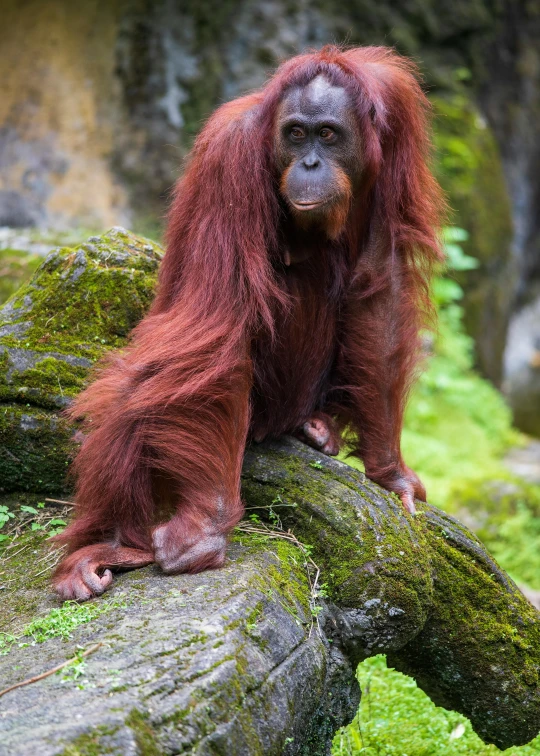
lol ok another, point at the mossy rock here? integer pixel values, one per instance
(80, 303)
(16, 267)
(229, 661)
(469, 167)
(423, 590)
(250, 659)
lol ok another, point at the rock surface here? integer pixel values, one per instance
(247, 660)
(422, 590)
(80, 303)
(522, 367)
(525, 462)
(225, 662)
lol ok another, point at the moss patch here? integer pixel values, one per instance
(93, 743)
(144, 735)
(16, 267)
(81, 303)
(470, 169)
(337, 548)
(36, 447)
(60, 622)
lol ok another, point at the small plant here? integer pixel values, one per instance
(75, 669)
(258, 529)
(58, 623)
(33, 518)
(5, 517)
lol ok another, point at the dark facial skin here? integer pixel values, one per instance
(318, 154)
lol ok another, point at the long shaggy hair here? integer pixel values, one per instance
(236, 342)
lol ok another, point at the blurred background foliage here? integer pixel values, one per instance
(100, 103)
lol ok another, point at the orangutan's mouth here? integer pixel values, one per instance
(303, 206)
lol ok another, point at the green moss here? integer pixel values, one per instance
(24, 580)
(340, 551)
(60, 622)
(469, 167)
(290, 577)
(145, 737)
(177, 717)
(51, 376)
(285, 580)
(92, 743)
(209, 21)
(28, 611)
(458, 614)
(105, 287)
(505, 514)
(16, 267)
(80, 303)
(35, 449)
(457, 667)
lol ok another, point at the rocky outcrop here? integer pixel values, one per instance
(424, 591)
(58, 116)
(105, 99)
(259, 657)
(512, 107)
(470, 170)
(80, 303)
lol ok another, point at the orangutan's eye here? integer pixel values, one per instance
(297, 133)
(326, 134)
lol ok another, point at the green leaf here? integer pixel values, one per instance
(25, 508)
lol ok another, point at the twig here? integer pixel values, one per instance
(61, 501)
(48, 554)
(293, 506)
(50, 565)
(50, 671)
(26, 546)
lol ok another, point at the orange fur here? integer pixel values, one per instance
(236, 344)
